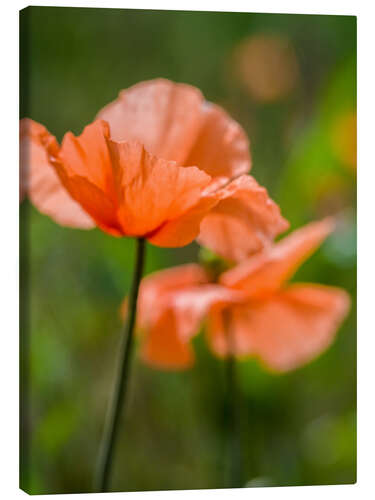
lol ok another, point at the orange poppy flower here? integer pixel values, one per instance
(251, 311)
(154, 164)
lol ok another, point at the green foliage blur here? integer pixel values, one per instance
(296, 429)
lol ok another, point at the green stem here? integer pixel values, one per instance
(233, 422)
(122, 380)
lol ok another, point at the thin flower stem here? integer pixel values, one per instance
(122, 380)
(233, 422)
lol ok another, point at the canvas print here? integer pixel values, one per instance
(187, 250)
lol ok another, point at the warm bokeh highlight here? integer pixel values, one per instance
(267, 66)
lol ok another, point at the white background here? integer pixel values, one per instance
(365, 10)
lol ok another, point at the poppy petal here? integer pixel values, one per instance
(267, 271)
(222, 147)
(159, 283)
(163, 348)
(243, 222)
(191, 304)
(152, 190)
(183, 230)
(87, 156)
(40, 181)
(94, 201)
(178, 318)
(162, 115)
(285, 331)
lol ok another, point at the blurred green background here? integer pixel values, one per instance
(290, 80)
